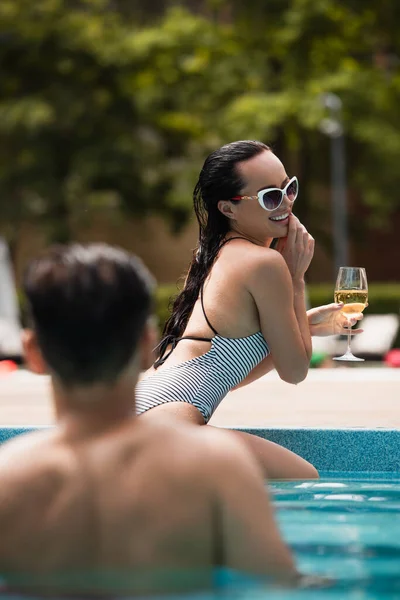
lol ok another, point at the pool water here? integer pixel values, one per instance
(345, 526)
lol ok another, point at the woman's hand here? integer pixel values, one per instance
(329, 320)
(297, 249)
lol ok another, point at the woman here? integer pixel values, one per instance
(242, 310)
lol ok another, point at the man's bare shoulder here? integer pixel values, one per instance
(30, 465)
(24, 448)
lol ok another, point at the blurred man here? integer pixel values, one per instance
(105, 496)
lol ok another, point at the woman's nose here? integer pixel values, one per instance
(287, 202)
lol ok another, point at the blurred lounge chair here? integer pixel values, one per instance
(379, 334)
(10, 329)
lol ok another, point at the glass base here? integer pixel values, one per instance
(349, 357)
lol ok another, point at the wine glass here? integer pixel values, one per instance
(351, 289)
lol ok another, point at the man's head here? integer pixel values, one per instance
(88, 310)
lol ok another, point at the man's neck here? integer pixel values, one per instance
(90, 410)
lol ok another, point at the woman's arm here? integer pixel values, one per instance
(267, 364)
(264, 367)
(298, 249)
(271, 287)
(323, 321)
(276, 283)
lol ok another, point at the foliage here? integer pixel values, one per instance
(165, 296)
(347, 47)
(383, 298)
(101, 106)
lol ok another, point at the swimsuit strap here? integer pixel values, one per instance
(172, 340)
(202, 287)
(204, 312)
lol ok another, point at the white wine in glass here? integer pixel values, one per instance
(351, 289)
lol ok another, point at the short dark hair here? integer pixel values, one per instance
(88, 305)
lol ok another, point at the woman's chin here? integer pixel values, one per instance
(279, 234)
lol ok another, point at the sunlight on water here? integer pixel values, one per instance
(347, 529)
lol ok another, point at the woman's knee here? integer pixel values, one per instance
(278, 462)
(310, 472)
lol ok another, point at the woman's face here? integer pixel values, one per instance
(262, 171)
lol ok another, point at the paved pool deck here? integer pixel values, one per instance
(344, 397)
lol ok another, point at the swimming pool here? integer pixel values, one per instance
(345, 526)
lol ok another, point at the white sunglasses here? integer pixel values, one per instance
(271, 198)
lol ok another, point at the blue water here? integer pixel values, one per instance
(345, 527)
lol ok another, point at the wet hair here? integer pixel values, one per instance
(219, 179)
(88, 306)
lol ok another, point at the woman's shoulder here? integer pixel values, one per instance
(254, 258)
(254, 268)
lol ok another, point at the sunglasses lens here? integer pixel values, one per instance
(292, 191)
(272, 199)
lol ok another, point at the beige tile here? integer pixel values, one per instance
(328, 398)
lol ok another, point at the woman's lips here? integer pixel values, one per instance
(281, 221)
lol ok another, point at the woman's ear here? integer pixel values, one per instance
(227, 208)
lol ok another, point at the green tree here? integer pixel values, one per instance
(301, 49)
(95, 107)
(106, 103)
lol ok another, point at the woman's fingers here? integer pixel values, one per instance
(292, 230)
(299, 231)
(352, 320)
(303, 241)
(346, 331)
(280, 246)
(311, 245)
(299, 248)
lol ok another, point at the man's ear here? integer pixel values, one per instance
(147, 344)
(32, 353)
(227, 209)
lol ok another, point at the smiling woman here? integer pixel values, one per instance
(272, 198)
(242, 310)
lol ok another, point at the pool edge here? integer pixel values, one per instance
(329, 449)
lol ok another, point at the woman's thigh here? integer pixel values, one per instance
(277, 462)
(177, 410)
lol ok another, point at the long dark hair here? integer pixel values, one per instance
(218, 180)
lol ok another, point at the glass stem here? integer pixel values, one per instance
(348, 351)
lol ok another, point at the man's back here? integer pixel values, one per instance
(137, 497)
(132, 497)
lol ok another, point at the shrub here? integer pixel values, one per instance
(163, 302)
(383, 298)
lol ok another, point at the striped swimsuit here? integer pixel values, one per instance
(205, 380)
